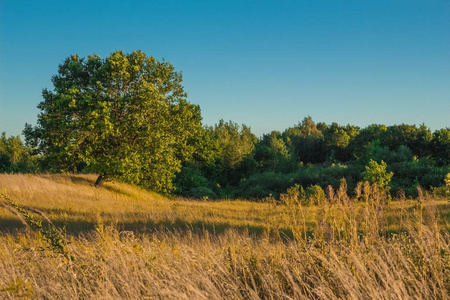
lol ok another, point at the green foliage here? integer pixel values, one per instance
(233, 145)
(15, 156)
(440, 146)
(125, 116)
(376, 173)
(443, 191)
(358, 146)
(424, 170)
(376, 152)
(337, 139)
(190, 177)
(191, 183)
(234, 142)
(307, 141)
(202, 192)
(417, 139)
(296, 195)
(265, 184)
(316, 195)
(206, 149)
(272, 154)
(324, 175)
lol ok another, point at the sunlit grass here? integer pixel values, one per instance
(72, 200)
(125, 242)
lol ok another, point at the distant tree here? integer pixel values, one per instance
(234, 141)
(359, 144)
(306, 141)
(271, 153)
(337, 138)
(421, 145)
(123, 117)
(15, 156)
(234, 146)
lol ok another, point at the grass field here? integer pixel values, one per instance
(124, 242)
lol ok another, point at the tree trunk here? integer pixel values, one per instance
(99, 181)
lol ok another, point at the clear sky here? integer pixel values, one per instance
(266, 64)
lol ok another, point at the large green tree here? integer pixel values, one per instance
(125, 116)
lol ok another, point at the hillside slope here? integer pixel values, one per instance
(73, 200)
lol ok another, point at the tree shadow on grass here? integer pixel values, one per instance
(79, 180)
(85, 181)
(179, 226)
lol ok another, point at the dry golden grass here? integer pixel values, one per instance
(73, 199)
(128, 243)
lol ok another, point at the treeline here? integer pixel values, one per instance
(239, 165)
(126, 117)
(231, 162)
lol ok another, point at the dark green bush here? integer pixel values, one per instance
(201, 193)
(265, 184)
(189, 178)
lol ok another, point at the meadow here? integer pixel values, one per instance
(121, 241)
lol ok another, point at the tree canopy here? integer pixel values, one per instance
(125, 116)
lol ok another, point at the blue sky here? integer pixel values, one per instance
(267, 64)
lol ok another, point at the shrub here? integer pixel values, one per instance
(261, 185)
(202, 193)
(189, 178)
(376, 173)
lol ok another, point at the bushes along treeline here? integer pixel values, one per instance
(231, 162)
(311, 154)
